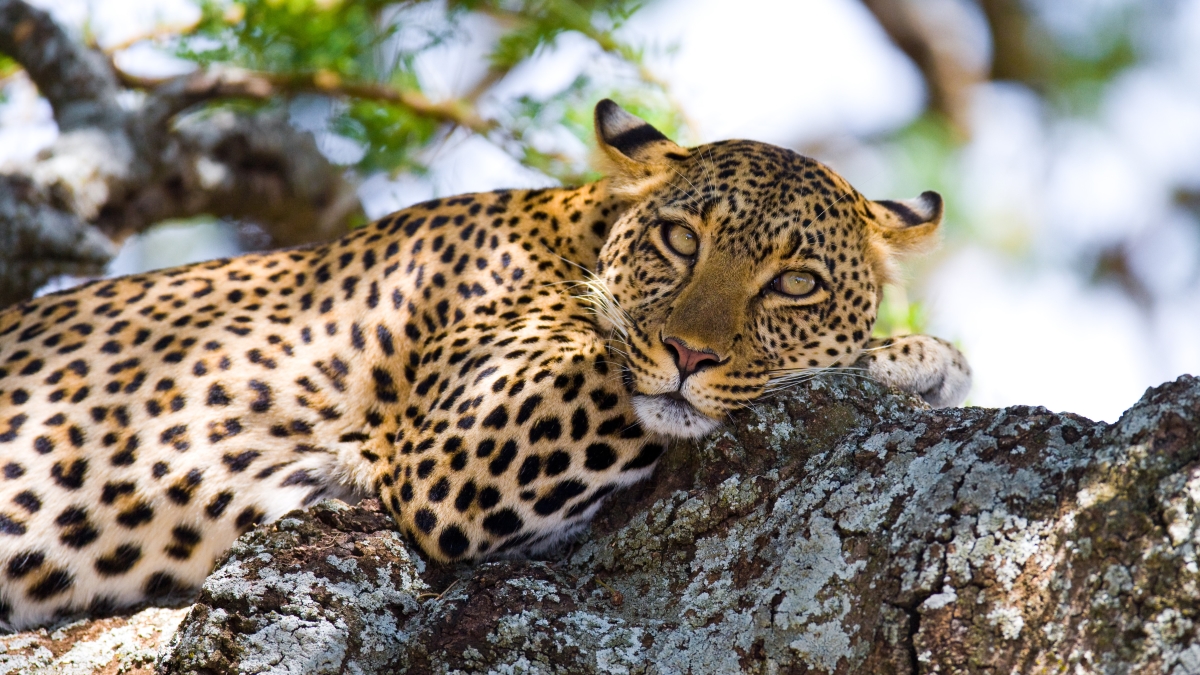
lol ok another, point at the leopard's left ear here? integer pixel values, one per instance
(639, 154)
(908, 226)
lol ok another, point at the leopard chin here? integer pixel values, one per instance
(672, 416)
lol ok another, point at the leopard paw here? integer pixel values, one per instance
(920, 364)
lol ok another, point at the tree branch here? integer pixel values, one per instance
(184, 91)
(114, 171)
(77, 81)
(1018, 44)
(41, 241)
(948, 78)
(242, 166)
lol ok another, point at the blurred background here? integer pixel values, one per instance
(1064, 135)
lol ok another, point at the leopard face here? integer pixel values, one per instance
(739, 265)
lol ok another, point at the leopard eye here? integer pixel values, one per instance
(681, 239)
(795, 284)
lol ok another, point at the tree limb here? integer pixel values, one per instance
(836, 529)
(243, 166)
(184, 91)
(41, 241)
(77, 81)
(1019, 45)
(114, 171)
(948, 78)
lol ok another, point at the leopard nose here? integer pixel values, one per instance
(689, 360)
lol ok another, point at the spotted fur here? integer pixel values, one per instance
(492, 366)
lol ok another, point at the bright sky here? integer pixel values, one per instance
(793, 72)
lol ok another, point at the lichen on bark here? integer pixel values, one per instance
(840, 529)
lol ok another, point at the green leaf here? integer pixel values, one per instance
(380, 42)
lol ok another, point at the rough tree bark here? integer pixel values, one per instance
(125, 160)
(842, 529)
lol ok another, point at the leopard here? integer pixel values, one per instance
(490, 366)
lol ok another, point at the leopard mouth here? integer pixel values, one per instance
(671, 414)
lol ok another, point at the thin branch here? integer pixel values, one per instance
(159, 32)
(184, 91)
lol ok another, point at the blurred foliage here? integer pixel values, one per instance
(344, 45)
(572, 109)
(1070, 63)
(8, 67)
(535, 23)
(286, 36)
(923, 154)
(898, 315)
(1076, 82)
(1066, 53)
(392, 135)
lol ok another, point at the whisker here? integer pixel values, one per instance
(835, 203)
(600, 299)
(695, 190)
(791, 380)
(687, 195)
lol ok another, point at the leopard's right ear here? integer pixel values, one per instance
(639, 154)
(910, 225)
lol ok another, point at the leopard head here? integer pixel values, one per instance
(738, 267)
